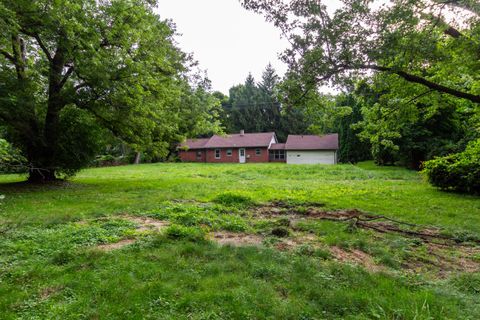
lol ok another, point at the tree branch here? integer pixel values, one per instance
(427, 83)
(66, 76)
(44, 48)
(7, 55)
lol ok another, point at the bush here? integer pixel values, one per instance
(457, 172)
(11, 160)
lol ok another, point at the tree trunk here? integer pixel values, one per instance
(137, 158)
(41, 175)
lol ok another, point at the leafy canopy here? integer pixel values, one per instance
(71, 71)
(433, 44)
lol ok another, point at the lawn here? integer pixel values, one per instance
(229, 241)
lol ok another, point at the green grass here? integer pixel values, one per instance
(50, 269)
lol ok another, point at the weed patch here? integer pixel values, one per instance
(234, 200)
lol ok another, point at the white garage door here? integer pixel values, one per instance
(311, 157)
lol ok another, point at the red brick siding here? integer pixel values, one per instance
(208, 155)
(191, 155)
(252, 157)
(223, 156)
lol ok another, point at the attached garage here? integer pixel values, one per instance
(311, 157)
(311, 149)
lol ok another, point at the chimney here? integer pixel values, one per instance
(242, 133)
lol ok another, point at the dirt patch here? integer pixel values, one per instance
(236, 239)
(296, 241)
(46, 293)
(147, 224)
(458, 260)
(356, 257)
(359, 219)
(143, 224)
(117, 245)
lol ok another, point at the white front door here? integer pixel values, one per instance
(241, 155)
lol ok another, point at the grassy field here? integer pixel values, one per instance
(223, 241)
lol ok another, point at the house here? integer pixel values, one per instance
(261, 147)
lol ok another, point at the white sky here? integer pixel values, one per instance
(227, 40)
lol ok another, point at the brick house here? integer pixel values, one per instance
(261, 147)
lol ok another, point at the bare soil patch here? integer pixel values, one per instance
(357, 218)
(236, 239)
(446, 253)
(143, 224)
(47, 292)
(357, 257)
(147, 224)
(116, 245)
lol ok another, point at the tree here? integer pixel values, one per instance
(433, 44)
(269, 102)
(69, 71)
(260, 107)
(246, 112)
(409, 131)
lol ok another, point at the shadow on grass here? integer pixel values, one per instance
(26, 187)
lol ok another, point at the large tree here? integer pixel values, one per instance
(69, 70)
(431, 43)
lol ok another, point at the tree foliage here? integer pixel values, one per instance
(69, 71)
(11, 160)
(409, 131)
(259, 107)
(433, 44)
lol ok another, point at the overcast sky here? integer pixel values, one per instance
(227, 40)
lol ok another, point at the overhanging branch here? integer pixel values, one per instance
(427, 83)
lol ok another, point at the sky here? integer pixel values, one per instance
(227, 40)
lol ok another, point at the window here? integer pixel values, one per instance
(258, 151)
(217, 153)
(229, 152)
(277, 154)
(199, 154)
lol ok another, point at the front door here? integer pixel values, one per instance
(241, 155)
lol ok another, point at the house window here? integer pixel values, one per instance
(217, 153)
(258, 151)
(199, 154)
(229, 152)
(277, 154)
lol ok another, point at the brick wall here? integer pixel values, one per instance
(223, 156)
(209, 155)
(191, 155)
(253, 157)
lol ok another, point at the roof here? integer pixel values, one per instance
(312, 142)
(262, 139)
(195, 143)
(277, 146)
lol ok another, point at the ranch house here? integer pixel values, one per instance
(261, 147)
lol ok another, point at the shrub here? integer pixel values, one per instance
(457, 172)
(11, 160)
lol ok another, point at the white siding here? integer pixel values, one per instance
(311, 157)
